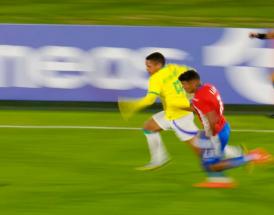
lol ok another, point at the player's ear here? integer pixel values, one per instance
(159, 65)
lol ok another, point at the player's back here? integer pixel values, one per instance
(207, 99)
(172, 94)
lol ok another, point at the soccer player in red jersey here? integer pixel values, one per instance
(207, 103)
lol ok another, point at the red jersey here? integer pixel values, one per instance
(205, 100)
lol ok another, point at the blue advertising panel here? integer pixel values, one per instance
(101, 63)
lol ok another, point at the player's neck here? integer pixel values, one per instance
(199, 85)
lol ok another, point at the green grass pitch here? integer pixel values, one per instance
(244, 13)
(91, 171)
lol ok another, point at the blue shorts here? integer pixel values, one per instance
(212, 149)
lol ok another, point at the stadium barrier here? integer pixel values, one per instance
(101, 63)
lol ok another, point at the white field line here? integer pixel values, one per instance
(109, 128)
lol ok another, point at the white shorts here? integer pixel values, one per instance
(184, 127)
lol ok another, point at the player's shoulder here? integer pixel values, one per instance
(172, 66)
(211, 89)
(170, 69)
(183, 67)
(179, 68)
(204, 90)
(207, 91)
(207, 86)
(163, 72)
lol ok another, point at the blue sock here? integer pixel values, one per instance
(229, 163)
(215, 174)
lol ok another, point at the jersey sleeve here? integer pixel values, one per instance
(184, 68)
(129, 107)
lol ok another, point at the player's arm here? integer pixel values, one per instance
(189, 108)
(212, 119)
(129, 107)
(204, 105)
(142, 103)
(268, 35)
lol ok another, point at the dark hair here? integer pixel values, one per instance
(157, 57)
(189, 76)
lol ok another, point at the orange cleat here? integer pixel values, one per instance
(260, 156)
(222, 185)
(217, 182)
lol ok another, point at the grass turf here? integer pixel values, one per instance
(245, 13)
(81, 171)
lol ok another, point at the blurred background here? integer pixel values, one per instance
(64, 148)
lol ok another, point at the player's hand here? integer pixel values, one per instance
(125, 108)
(189, 108)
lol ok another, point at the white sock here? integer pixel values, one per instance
(156, 147)
(233, 151)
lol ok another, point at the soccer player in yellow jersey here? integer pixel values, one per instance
(163, 83)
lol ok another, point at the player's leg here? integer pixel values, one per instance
(229, 150)
(187, 131)
(234, 151)
(214, 164)
(212, 152)
(257, 156)
(158, 153)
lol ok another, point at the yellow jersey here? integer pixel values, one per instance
(165, 85)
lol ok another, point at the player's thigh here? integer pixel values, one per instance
(185, 128)
(157, 122)
(213, 147)
(211, 151)
(222, 137)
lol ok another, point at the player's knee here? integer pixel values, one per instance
(146, 126)
(152, 125)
